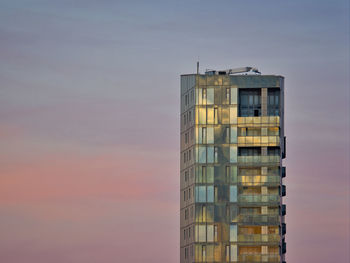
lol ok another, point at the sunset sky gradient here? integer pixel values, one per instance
(89, 121)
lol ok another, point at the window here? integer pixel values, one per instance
(233, 233)
(253, 131)
(210, 135)
(249, 151)
(227, 134)
(204, 254)
(201, 233)
(204, 135)
(233, 193)
(273, 102)
(200, 194)
(273, 151)
(233, 154)
(189, 155)
(204, 96)
(233, 95)
(233, 135)
(204, 174)
(215, 154)
(204, 194)
(249, 102)
(202, 154)
(233, 253)
(216, 117)
(227, 253)
(227, 174)
(210, 96)
(227, 95)
(210, 233)
(210, 193)
(210, 154)
(215, 233)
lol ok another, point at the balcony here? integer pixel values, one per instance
(283, 210)
(258, 238)
(284, 247)
(258, 121)
(258, 141)
(284, 228)
(259, 258)
(283, 171)
(259, 159)
(282, 190)
(271, 219)
(259, 180)
(258, 198)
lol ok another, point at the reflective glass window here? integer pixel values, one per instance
(210, 152)
(273, 102)
(233, 233)
(210, 233)
(200, 194)
(233, 154)
(210, 135)
(233, 95)
(202, 154)
(210, 96)
(249, 102)
(233, 136)
(233, 193)
(210, 194)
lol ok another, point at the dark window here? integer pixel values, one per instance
(273, 102)
(273, 150)
(249, 102)
(249, 151)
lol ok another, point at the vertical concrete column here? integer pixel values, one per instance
(264, 101)
(263, 151)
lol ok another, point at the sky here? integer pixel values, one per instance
(89, 121)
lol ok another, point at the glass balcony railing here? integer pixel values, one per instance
(258, 180)
(259, 258)
(258, 140)
(263, 120)
(271, 219)
(258, 238)
(258, 198)
(259, 159)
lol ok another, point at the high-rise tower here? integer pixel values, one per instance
(232, 146)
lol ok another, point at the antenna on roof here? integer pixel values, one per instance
(198, 66)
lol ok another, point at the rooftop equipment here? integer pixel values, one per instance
(247, 70)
